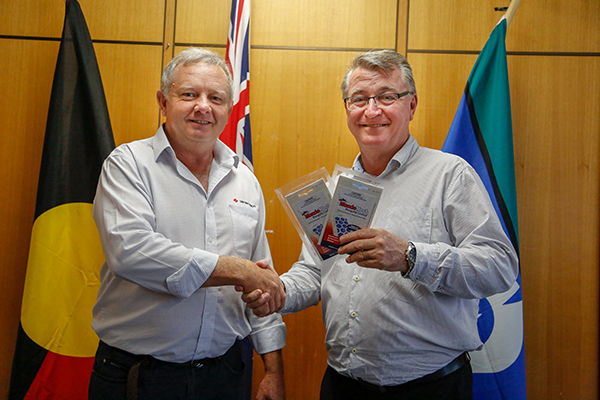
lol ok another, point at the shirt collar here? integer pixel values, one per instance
(399, 159)
(222, 153)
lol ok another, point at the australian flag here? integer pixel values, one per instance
(237, 132)
(481, 133)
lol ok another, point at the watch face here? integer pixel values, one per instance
(411, 254)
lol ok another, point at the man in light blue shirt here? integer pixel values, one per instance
(400, 305)
(181, 221)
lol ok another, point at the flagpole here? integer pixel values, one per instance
(512, 9)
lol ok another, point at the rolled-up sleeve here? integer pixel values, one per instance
(134, 250)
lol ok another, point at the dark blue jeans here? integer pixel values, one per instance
(220, 378)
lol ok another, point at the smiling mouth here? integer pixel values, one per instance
(200, 122)
(373, 125)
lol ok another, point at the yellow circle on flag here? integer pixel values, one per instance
(62, 281)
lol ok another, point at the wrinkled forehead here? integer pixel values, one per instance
(205, 72)
(200, 73)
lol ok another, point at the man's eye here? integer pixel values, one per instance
(217, 100)
(359, 100)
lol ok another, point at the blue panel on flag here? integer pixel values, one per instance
(487, 386)
(461, 140)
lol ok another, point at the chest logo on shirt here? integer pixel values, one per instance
(244, 202)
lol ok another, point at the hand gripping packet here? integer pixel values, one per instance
(307, 201)
(353, 205)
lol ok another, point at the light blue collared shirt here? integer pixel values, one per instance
(387, 329)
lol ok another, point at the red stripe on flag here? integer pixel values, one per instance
(62, 378)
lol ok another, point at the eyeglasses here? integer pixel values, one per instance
(385, 99)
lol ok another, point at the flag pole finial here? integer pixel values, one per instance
(512, 9)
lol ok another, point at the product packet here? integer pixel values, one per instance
(352, 207)
(306, 201)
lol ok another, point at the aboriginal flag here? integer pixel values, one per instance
(56, 344)
(481, 133)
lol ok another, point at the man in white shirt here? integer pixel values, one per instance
(400, 307)
(179, 218)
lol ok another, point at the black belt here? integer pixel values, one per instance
(456, 364)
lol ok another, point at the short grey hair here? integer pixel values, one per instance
(381, 60)
(190, 56)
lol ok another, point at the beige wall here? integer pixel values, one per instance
(299, 53)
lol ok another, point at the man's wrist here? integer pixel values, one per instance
(411, 259)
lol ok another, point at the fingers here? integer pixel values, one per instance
(258, 302)
(260, 306)
(361, 257)
(262, 311)
(265, 294)
(277, 297)
(374, 248)
(264, 264)
(360, 234)
(357, 240)
(254, 296)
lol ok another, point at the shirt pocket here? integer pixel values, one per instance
(244, 221)
(408, 222)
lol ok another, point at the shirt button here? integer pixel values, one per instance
(353, 314)
(356, 278)
(209, 239)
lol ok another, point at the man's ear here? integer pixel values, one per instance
(413, 106)
(162, 102)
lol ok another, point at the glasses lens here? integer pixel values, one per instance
(357, 102)
(386, 99)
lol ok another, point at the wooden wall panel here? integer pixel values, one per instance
(541, 26)
(335, 23)
(556, 26)
(402, 26)
(558, 187)
(131, 78)
(438, 97)
(311, 23)
(26, 85)
(32, 18)
(141, 20)
(451, 25)
(203, 22)
(131, 20)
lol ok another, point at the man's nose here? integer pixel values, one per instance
(202, 104)
(372, 107)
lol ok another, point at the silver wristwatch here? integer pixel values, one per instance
(411, 258)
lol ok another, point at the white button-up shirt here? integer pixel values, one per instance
(162, 234)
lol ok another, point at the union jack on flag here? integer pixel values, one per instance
(237, 132)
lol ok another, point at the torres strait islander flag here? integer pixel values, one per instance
(481, 133)
(236, 134)
(55, 343)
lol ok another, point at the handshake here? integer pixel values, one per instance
(261, 288)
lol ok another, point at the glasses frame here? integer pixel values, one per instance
(400, 95)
